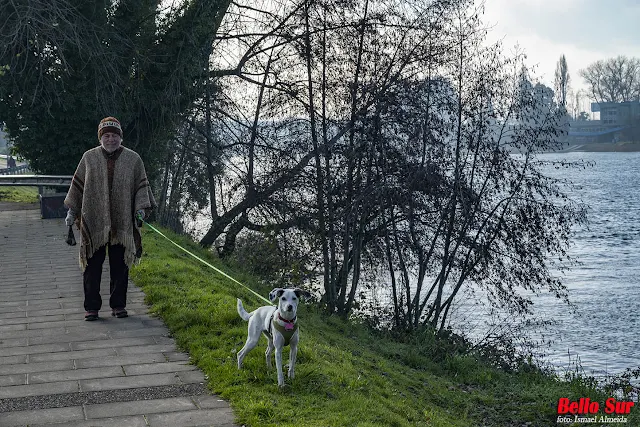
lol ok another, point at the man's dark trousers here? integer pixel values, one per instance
(119, 278)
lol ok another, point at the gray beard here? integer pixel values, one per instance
(110, 150)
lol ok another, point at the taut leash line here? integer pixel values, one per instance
(209, 265)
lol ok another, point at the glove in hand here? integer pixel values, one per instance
(140, 214)
(70, 219)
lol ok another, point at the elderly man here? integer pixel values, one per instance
(109, 190)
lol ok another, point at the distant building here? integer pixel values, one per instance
(617, 113)
(615, 118)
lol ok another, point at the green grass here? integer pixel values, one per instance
(18, 194)
(346, 375)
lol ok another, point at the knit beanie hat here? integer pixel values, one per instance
(109, 124)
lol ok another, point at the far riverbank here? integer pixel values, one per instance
(620, 147)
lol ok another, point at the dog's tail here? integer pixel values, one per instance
(242, 312)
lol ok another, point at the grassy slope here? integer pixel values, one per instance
(345, 375)
(18, 194)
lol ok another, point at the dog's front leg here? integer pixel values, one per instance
(293, 352)
(279, 365)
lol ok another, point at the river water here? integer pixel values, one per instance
(603, 332)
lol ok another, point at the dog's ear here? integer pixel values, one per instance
(275, 294)
(302, 294)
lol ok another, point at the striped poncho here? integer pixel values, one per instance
(106, 215)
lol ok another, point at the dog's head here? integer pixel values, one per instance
(288, 299)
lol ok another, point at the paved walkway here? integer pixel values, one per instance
(57, 369)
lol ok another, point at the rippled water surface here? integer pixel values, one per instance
(606, 287)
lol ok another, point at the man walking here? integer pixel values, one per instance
(109, 191)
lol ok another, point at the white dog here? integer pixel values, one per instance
(279, 326)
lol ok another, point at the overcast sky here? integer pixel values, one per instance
(584, 30)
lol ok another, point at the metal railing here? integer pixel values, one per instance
(37, 180)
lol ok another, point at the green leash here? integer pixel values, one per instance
(209, 265)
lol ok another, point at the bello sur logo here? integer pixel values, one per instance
(586, 411)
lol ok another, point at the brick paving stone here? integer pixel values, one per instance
(120, 360)
(51, 312)
(212, 417)
(12, 328)
(145, 407)
(32, 349)
(14, 342)
(112, 343)
(38, 389)
(135, 381)
(12, 310)
(44, 416)
(209, 402)
(66, 337)
(28, 368)
(105, 323)
(10, 360)
(34, 319)
(176, 356)
(162, 339)
(13, 379)
(160, 348)
(157, 368)
(75, 374)
(65, 355)
(11, 305)
(28, 333)
(135, 421)
(14, 315)
(143, 332)
(48, 325)
(188, 377)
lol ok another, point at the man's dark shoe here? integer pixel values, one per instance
(119, 313)
(91, 316)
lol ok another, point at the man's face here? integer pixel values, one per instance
(110, 141)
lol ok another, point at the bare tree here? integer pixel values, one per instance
(613, 80)
(562, 82)
(452, 208)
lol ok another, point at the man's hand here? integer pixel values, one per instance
(70, 219)
(140, 214)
